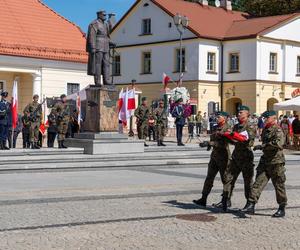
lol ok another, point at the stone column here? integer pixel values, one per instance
(37, 84)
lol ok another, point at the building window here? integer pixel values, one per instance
(72, 88)
(211, 62)
(273, 62)
(234, 62)
(2, 86)
(146, 67)
(177, 60)
(116, 66)
(146, 26)
(298, 65)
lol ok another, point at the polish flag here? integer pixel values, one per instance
(45, 123)
(166, 80)
(131, 102)
(78, 108)
(120, 101)
(14, 108)
(123, 105)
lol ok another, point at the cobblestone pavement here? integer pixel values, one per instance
(137, 209)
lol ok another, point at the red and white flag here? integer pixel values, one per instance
(123, 105)
(78, 108)
(166, 80)
(131, 106)
(14, 107)
(120, 101)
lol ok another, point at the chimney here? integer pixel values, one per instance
(226, 4)
(203, 2)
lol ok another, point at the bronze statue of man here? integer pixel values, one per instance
(98, 45)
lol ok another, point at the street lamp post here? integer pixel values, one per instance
(181, 23)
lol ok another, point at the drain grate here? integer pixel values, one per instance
(196, 217)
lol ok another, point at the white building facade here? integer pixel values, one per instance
(257, 68)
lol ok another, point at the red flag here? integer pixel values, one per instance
(131, 100)
(166, 80)
(15, 105)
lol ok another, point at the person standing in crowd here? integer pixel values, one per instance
(219, 158)
(52, 130)
(291, 118)
(61, 110)
(296, 132)
(34, 112)
(151, 128)
(142, 114)
(17, 131)
(242, 160)
(191, 125)
(178, 113)
(199, 119)
(271, 166)
(5, 120)
(285, 126)
(26, 130)
(161, 121)
(204, 123)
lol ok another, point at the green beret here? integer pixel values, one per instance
(144, 99)
(267, 114)
(243, 107)
(35, 96)
(63, 96)
(222, 113)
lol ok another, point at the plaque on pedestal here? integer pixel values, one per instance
(101, 109)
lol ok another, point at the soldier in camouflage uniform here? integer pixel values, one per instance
(62, 113)
(271, 166)
(219, 158)
(242, 136)
(34, 113)
(161, 118)
(142, 114)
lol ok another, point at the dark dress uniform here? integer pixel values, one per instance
(161, 118)
(219, 160)
(271, 166)
(5, 121)
(142, 114)
(62, 113)
(178, 113)
(242, 160)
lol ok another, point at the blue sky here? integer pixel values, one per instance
(82, 12)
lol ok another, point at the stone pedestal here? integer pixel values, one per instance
(101, 110)
(101, 125)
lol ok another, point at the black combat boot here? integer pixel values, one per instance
(59, 144)
(249, 208)
(225, 202)
(36, 146)
(32, 145)
(220, 204)
(63, 145)
(4, 146)
(1, 145)
(145, 144)
(162, 144)
(201, 202)
(280, 212)
(158, 143)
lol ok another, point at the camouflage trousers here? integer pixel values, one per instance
(62, 130)
(215, 165)
(142, 130)
(246, 167)
(276, 173)
(160, 132)
(34, 131)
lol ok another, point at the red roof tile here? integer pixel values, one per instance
(217, 23)
(29, 28)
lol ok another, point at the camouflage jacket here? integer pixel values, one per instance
(160, 116)
(242, 150)
(142, 114)
(272, 144)
(61, 111)
(219, 142)
(33, 111)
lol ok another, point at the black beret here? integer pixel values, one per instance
(4, 94)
